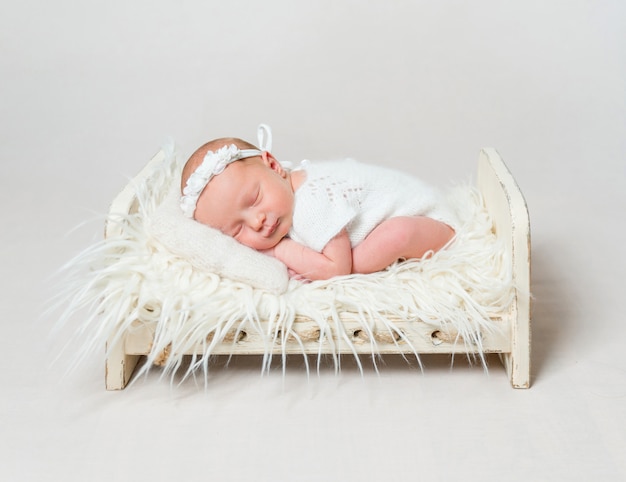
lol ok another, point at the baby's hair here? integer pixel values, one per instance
(197, 157)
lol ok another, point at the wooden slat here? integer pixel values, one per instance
(419, 338)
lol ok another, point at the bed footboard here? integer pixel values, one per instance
(508, 209)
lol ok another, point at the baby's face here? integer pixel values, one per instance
(252, 201)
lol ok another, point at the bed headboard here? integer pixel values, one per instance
(126, 201)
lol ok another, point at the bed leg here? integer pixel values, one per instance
(119, 366)
(517, 362)
(519, 374)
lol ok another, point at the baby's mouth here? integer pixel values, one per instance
(272, 228)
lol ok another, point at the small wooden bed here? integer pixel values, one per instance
(507, 208)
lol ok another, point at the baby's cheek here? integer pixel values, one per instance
(254, 242)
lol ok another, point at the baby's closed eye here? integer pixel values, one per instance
(257, 197)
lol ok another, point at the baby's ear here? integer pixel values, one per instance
(271, 162)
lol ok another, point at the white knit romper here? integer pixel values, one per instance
(357, 196)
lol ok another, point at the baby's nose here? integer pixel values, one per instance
(258, 219)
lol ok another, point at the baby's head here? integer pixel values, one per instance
(244, 192)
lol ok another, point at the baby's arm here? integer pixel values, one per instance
(400, 237)
(334, 260)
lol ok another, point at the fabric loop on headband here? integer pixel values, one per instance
(264, 135)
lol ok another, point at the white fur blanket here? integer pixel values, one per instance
(132, 278)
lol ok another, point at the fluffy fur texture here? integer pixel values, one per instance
(130, 279)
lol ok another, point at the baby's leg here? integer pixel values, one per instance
(401, 237)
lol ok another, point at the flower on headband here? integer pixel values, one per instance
(195, 184)
(188, 206)
(223, 157)
(214, 163)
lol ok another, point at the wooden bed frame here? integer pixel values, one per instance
(508, 209)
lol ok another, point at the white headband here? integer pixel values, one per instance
(214, 163)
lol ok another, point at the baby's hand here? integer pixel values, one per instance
(292, 274)
(297, 276)
(272, 251)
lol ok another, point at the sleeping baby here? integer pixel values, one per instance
(321, 219)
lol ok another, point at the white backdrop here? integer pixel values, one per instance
(89, 90)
